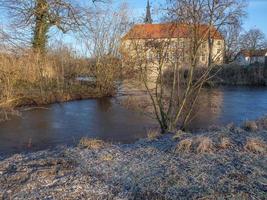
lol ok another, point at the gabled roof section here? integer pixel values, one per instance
(170, 30)
(254, 53)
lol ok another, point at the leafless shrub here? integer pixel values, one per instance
(173, 106)
(106, 73)
(90, 143)
(101, 37)
(256, 145)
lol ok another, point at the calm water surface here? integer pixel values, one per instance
(65, 124)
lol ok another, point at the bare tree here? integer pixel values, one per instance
(102, 34)
(42, 15)
(232, 47)
(218, 14)
(101, 37)
(172, 104)
(223, 13)
(253, 39)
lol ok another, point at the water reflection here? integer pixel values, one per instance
(66, 123)
(208, 108)
(225, 105)
(104, 104)
(103, 118)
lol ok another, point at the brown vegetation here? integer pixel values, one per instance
(184, 145)
(198, 145)
(233, 74)
(153, 134)
(107, 157)
(204, 145)
(262, 123)
(225, 143)
(46, 74)
(256, 145)
(31, 79)
(90, 143)
(179, 134)
(250, 126)
(230, 74)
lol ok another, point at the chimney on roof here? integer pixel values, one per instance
(148, 19)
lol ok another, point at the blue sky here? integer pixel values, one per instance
(257, 15)
(257, 12)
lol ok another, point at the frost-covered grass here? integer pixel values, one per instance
(222, 163)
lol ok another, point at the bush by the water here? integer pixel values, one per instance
(29, 78)
(231, 74)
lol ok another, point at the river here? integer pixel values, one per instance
(65, 124)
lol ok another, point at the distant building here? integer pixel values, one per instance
(246, 57)
(178, 40)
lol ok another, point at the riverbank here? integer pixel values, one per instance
(227, 75)
(12, 107)
(30, 79)
(238, 75)
(227, 163)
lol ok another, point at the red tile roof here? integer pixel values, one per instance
(169, 30)
(254, 53)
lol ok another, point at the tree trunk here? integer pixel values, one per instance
(41, 26)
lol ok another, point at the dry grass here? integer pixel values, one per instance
(153, 134)
(262, 123)
(256, 145)
(225, 143)
(184, 145)
(107, 157)
(90, 143)
(250, 126)
(204, 145)
(33, 76)
(179, 134)
(28, 78)
(198, 145)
